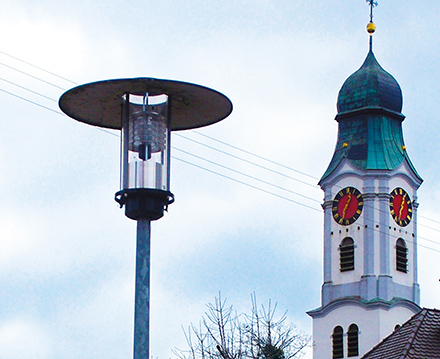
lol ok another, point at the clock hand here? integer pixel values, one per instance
(346, 205)
(402, 204)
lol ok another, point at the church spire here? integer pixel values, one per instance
(369, 108)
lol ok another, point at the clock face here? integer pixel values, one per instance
(347, 206)
(400, 207)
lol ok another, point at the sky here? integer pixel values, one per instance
(66, 249)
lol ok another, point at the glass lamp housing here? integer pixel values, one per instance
(145, 156)
(145, 143)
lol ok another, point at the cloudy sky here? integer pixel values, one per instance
(67, 250)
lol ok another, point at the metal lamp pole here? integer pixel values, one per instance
(146, 110)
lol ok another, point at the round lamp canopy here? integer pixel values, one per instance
(100, 103)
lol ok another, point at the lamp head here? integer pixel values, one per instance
(146, 110)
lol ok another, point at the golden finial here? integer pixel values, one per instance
(371, 27)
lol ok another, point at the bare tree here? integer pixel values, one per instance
(224, 334)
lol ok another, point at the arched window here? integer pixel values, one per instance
(353, 341)
(401, 256)
(346, 254)
(337, 343)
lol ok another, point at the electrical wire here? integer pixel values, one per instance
(227, 177)
(198, 142)
(37, 67)
(246, 161)
(268, 169)
(389, 236)
(247, 184)
(255, 155)
(206, 136)
(32, 76)
(340, 187)
(28, 90)
(246, 175)
(199, 133)
(32, 102)
(212, 162)
(189, 139)
(429, 219)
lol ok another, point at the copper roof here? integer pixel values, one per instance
(370, 122)
(370, 87)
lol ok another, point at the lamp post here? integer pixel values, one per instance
(146, 110)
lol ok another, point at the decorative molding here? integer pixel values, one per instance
(373, 304)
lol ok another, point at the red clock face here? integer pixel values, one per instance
(347, 206)
(400, 207)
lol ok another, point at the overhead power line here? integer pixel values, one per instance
(268, 169)
(32, 76)
(255, 155)
(248, 185)
(248, 176)
(222, 175)
(38, 68)
(28, 90)
(32, 102)
(211, 147)
(244, 160)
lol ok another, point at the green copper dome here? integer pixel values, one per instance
(370, 121)
(370, 87)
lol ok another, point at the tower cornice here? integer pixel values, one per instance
(370, 110)
(375, 303)
(346, 168)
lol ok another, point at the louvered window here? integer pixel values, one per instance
(346, 254)
(353, 341)
(401, 256)
(337, 343)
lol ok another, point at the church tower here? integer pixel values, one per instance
(370, 206)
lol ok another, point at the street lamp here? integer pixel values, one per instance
(146, 110)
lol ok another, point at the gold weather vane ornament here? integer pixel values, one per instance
(371, 27)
